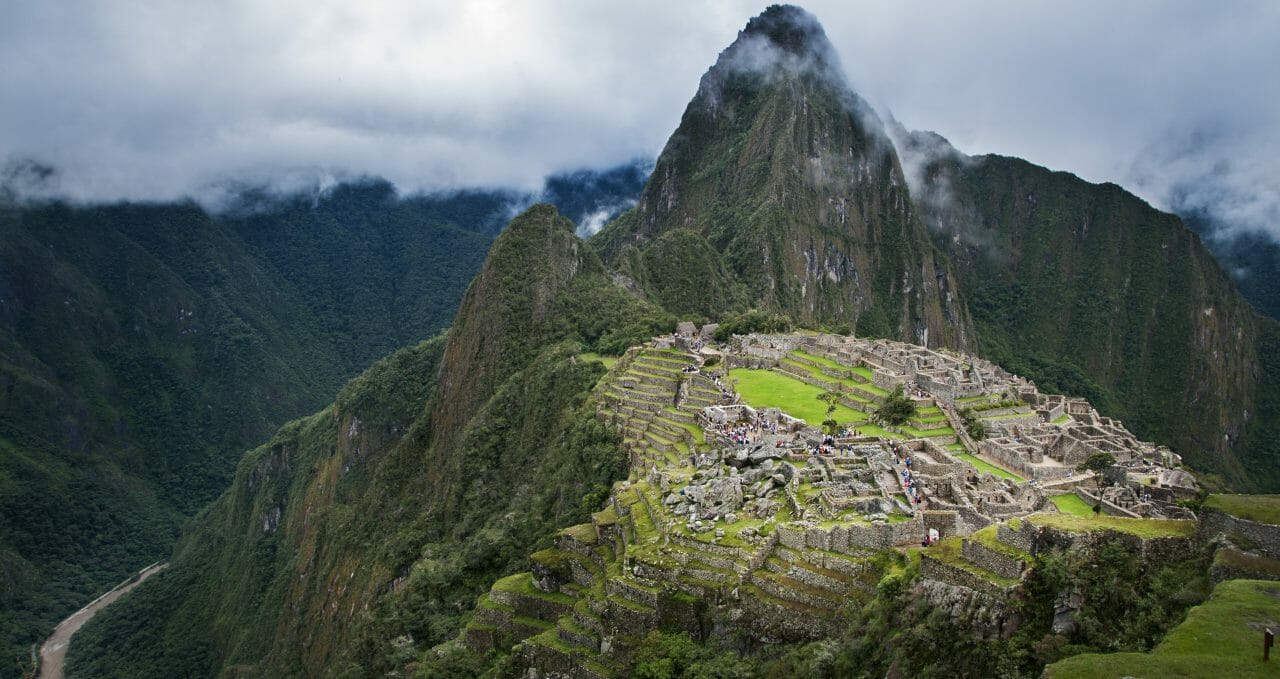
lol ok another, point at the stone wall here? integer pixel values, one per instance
(1265, 538)
(852, 538)
(934, 569)
(1009, 459)
(1022, 538)
(1230, 563)
(773, 624)
(982, 556)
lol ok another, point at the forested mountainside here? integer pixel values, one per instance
(143, 347)
(355, 539)
(1252, 259)
(1088, 290)
(384, 515)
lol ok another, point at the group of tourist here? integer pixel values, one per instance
(915, 494)
(739, 434)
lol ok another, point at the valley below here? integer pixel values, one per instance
(53, 651)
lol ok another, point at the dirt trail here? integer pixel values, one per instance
(54, 650)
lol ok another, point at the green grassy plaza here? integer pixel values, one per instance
(1070, 503)
(768, 389)
(984, 466)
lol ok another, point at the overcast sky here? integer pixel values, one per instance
(1177, 101)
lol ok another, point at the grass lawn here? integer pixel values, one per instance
(1062, 419)
(821, 360)
(1070, 503)
(608, 361)
(1220, 638)
(984, 466)
(860, 392)
(1260, 508)
(768, 389)
(817, 372)
(1144, 528)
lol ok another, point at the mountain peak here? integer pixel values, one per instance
(783, 37)
(789, 28)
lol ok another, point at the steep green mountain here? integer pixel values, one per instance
(357, 537)
(781, 190)
(1252, 258)
(143, 347)
(1088, 290)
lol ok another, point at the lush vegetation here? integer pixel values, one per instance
(897, 408)
(358, 537)
(414, 506)
(1087, 290)
(1121, 605)
(143, 347)
(973, 424)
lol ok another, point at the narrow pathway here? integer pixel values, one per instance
(54, 651)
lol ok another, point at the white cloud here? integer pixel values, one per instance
(155, 100)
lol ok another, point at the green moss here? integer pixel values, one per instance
(584, 533)
(987, 538)
(551, 558)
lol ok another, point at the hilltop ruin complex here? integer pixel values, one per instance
(782, 526)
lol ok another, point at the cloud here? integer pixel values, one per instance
(157, 100)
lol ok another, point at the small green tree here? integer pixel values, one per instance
(1098, 463)
(972, 424)
(897, 408)
(832, 399)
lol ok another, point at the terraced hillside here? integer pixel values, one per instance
(638, 567)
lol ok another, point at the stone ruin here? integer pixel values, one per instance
(1041, 437)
